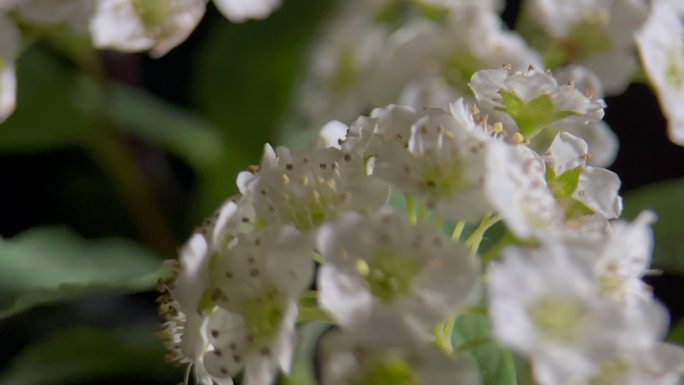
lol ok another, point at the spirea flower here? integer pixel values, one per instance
(384, 261)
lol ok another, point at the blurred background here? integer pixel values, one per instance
(111, 160)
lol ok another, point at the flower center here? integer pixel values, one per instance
(393, 371)
(556, 318)
(388, 276)
(263, 316)
(152, 12)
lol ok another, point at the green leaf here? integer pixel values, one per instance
(85, 354)
(667, 200)
(677, 333)
(532, 117)
(496, 364)
(50, 264)
(174, 129)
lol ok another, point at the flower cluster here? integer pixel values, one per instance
(156, 26)
(440, 44)
(562, 286)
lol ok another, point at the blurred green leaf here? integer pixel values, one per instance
(48, 111)
(496, 364)
(667, 200)
(246, 74)
(50, 264)
(83, 354)
(174, 129)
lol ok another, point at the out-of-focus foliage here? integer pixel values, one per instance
(80, 354)
(49, 264)
(667, 200)
(472, 333)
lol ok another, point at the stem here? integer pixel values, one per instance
(458, 230)
(411, 208)
(475, 238)
(494, 251)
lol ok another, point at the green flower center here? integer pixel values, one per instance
(442, 180)
(263, 316)
(152, 12)
(392, 371)
(388, 276)
(556, 318)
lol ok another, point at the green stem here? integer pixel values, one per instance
(458, 230)
(411, 208)
(475, 238)
(493, 252)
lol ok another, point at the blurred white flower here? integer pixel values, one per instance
(384, 262)
(239, 11)
(382, 351)
(661, 45)
(544, 305)
(140, 25)
(598, 34)
(76, 13)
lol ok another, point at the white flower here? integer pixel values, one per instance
(255, 285)
(598, 34)
(443, 164)
(140, 25)
(532, 100)
(515, 186)
(661, 45)
(619, 258)
(383, 352)
(306, 188)
(238, 11)
(383, 262)
(602, 141)
(576, 185)
(545, 305)
(10, 39)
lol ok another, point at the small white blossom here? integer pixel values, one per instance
(255, 285)
(239, 11)
(140, 25)
(532, 100)
(443, 163)
(661, 45)
(306, 188)
(384, 262)
(381, 351)
(545, 305)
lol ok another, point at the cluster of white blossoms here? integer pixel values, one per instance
(313, 232)
(156, 26)
(423, 53)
